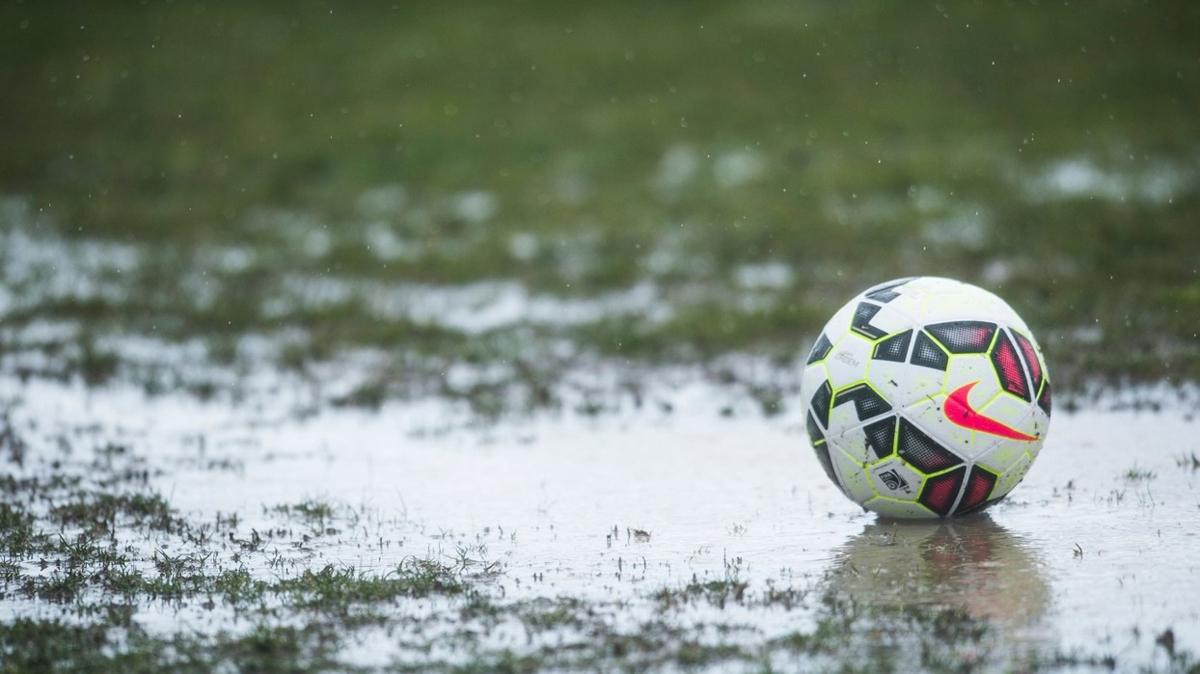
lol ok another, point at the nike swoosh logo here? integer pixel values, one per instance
(959, 411)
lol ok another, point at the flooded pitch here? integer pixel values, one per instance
(412, 337)
(682, 526)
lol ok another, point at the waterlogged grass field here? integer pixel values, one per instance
(415, 337)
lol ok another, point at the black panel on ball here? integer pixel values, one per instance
(894, 348)
(926, 353)
(820, 403)
(922, 451)
(862, 320)
(820, 349)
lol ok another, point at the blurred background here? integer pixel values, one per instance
(516, 205)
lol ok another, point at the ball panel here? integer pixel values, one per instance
(1002, 455)
(1044, 399)
(968, 369)
(820, 403)
(880, 437)
(926, 353)
(1012, 412)
(1039, 422)
(908, 510)
(854, 480)
(811, 379)
(963, 336)
(866, 402)
(870, 442)
(1009, 368)
(1033, 362)
(941, 491)
(893, 348)
(1011, 477)
(820, 349)
(886, 320)
(854, 443)
(822, 451)
(902, 384)
(894, 479)
(928, 415)
(921, 451)
(978, 490)
(815, 434)
(942, 300)
(848, 362)
(861, 322)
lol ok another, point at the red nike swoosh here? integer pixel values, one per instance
(959, 411)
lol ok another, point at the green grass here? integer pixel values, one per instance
(98, 511)
(50, 645)
(332, 587)
(1136, 474)
(874, 135)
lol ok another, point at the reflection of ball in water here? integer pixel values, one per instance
(926, 397)
(974, 565)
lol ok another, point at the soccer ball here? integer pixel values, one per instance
(926, 397)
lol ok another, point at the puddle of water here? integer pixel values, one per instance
(471, 308)
(1094, 552)
(1159, 182)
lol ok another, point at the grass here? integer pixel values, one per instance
(843, 144)
(98, 511)
(337, 589)
(715, 592)
(314, 513)
(45, 645)
(1136, 474)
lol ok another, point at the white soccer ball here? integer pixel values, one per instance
(926, 397)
